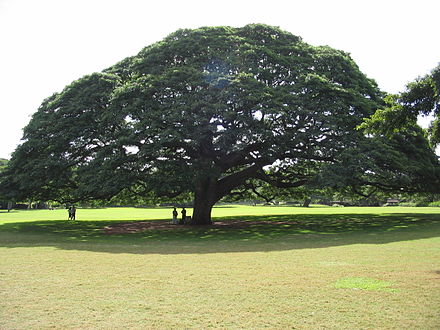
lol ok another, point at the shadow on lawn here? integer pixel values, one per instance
(277, 232)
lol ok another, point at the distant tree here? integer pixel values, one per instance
(4, 203)
(3, 164)
(421, 97)
(203, 111)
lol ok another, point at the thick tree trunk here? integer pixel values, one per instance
(209, 190)
(202, 212)
(204, 199)
(307, 202)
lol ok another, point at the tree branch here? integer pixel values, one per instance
(237, 158)
(255, 191)
(226, 184)
(356, 191)
(278, 183)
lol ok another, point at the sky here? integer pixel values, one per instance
(47, 44)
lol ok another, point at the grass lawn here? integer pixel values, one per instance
(336, 268)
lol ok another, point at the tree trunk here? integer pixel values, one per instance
(209, 190)
(307, 202)
(204, 199)
(202, 212)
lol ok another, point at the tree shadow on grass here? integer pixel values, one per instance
(256, 233)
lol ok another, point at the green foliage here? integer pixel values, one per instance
(404, 162)
(3, 164)
(421, 97)
(199, 103)
(434, 204)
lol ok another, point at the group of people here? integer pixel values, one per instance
(72, 212)
(184, 220)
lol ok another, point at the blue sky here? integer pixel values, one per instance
(46, 44)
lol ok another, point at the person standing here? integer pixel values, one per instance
(73, 212)
(174, 222)
(183, 216)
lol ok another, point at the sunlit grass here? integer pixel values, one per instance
(336, 268)
(124, 213)
(363, 283)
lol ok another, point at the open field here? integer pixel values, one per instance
(336, 268)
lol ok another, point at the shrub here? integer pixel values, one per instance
(409, 204)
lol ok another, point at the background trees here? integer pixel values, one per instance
(421, 97)
(3, 164)
(203, 111)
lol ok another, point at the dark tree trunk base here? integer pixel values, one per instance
(204, 200)
(307, 202)
(201, 215)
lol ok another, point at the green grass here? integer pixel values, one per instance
(362, 283)
(336, 268)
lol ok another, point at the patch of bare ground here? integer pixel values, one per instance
(139, 226)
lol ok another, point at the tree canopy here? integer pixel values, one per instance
(201, 111)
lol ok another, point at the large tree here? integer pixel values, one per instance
(202, 111)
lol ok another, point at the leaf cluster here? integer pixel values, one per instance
(421, 97)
